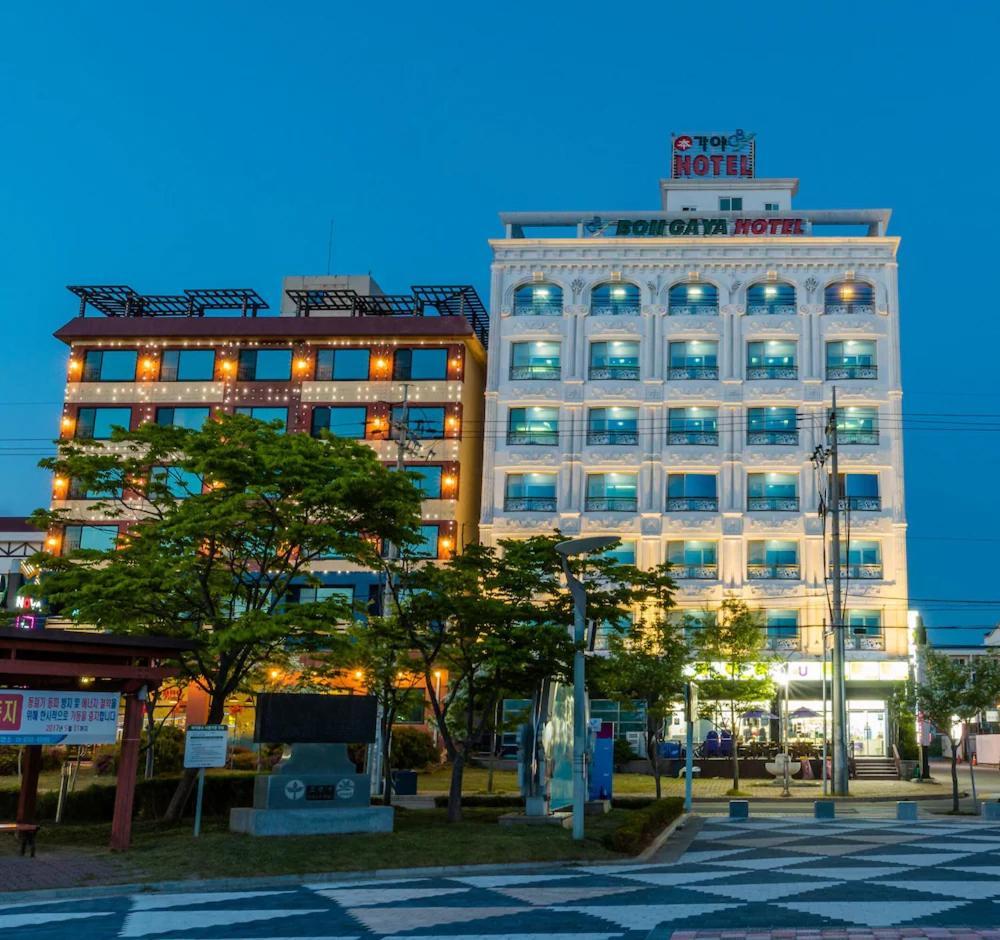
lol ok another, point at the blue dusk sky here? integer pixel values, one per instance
(210, 144)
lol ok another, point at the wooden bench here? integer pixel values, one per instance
(25, 834)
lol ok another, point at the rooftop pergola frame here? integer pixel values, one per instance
(119, 300)
(92, 662)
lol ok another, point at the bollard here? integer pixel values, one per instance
(991, 810)
(907, 809)
(739, 809)
(824, 809)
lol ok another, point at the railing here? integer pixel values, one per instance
(772, 437)
(772, 572)
(773, 310)
(856, 436)
(783, 643)
(629, 373)
(772, 504)
(693, 372)
(699, 438)
(851, 372)
(693, 310)
(543, 309)
(692, 504)
(612, 437)
(695, 572)
(529, 504)
(772, 372)
(837, 310)
(861, 503)
(611, 504)
(615, 310)
(860, 572)
(534, 372)
(532, 437)
(864, 641)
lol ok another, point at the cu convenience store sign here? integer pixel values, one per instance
(712, 156)
(34, 717)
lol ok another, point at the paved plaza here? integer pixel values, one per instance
(764, 877)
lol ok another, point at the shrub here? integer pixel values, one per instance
(8, 761)
(106, 760)
(168, 750)
(643, 825)
(243, 758)
(412, 749)
(623, 753)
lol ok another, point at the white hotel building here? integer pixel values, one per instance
(665, 377)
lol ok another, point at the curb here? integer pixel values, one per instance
(647, 853)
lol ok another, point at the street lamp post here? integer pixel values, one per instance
(578, 591)
(783, 724)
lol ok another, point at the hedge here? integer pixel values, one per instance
(644, 824)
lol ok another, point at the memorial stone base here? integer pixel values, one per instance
(310, 822)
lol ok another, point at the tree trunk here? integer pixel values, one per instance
(455, 790)
(386, 767)
(954, 776)
(736, 747)
(654, 761)
(150, 740)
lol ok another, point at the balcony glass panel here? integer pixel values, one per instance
(864, 630)
(693, 622)
(614, 299)
(859, 492)
(533, 426)
(615, 359)
(692, 492)
(538, 300)
(530, 492)
(693, 560)
(782, 628)
(615, 425)
(611, 492)
(699, 426)
(851, 359)
(772, 492)
(857, 424)
(864, 560)
(772, 426)
(534, 361)
(775, 299)
(693, 300)
(772, 559)
(849, 297)
(694, 359)
(772, 359)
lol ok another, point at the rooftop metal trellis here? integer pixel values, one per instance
(120, 300)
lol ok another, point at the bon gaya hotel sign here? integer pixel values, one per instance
(694, 226)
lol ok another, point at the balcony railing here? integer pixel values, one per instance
(626, 373)
(611, 504)
(772, 572)
(772, 504)
(851, 372)
(837, 310)
(783, 643)
(692, 504)
(861, 503)
(529, 504)
(612, 437)
(860, 572)
(538, 309)
(693, 372)
(693, 310)
(522, 373)
(698, 438)
(615, 310)
(695, 572)
(533, 438)
(773, 310)
(772, 372)
(856, 436)
(869, 641)
(772, 437)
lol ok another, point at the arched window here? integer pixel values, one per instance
(693, 300)
(614, 298)
(772, 298)
(849, 297)
(538, 300)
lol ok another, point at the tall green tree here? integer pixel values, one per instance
(732, 667)
(951, 692)
(221, 528)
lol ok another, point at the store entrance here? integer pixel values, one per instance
(866, 729)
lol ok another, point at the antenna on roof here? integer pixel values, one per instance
(329, 250)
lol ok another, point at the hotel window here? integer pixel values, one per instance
(694, 359)
(614, 425)
(696, 425)
(177, 482)
(864, 560)
(694, 559)
(857, 424)
(692, 492)
(340, 421)
(417, 364)
(773, 298)
(422, 422)
(772, 359)
(693, 623)
(98, 538)
(623, 553)
(864, 630)
(859, 492)
(342, 365)
(849, 297)
(771, 207)
(611, 492)
(530, 492)
(772, 559)
(615, 359)
(187, 365)
(534, 360)
(96, 424)
(693, 300)
(190, 419)
(772, 492)
(265, 414)
(614, 299)
(730, 203)
(533, 425)
(772, 426)
(782, 629)
(605, 629)
(263, 365)
(426, 545)
(538, 300)
(425, 478)
(112, 489)
(851, 359)
(109, 366)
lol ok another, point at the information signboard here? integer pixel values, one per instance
(722, 155)
(47, 717)
(206, 746)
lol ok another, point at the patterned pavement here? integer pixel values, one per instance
(762, 877)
